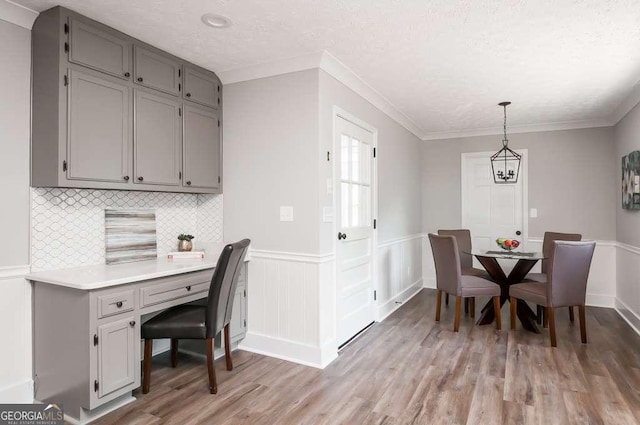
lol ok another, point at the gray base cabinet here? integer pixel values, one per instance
(112, 112)
(87, 343)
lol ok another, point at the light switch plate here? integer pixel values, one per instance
(533, 213)
(286, 213)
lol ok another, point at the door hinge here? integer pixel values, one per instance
(375, 295)
(218, 101)
(180, 112)
(374, 152)
(245, 293)
(218, 123)
(64, 165)
(65, 80)
(245, 323)
(179, 72)
(328, 155)
(66, 47)
(218, 88)
(95, 339)
(66, 28)
(219, 179)
(96, 385)
(375, 223)
(179, 175)
(179, 87)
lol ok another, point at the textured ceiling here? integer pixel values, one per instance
(445, 64)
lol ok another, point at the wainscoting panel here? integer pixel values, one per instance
(628, 287)
(399, 275)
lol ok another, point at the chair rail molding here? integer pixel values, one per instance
(9, 272)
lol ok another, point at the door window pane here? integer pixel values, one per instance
(345, 145)
(344, 190)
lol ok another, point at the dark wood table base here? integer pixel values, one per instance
(525, 313)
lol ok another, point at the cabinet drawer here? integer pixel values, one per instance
(156, 71)
(175, 287)
(101, 50)
(201, 88)
(111, 304)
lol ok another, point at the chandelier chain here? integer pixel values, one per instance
(505, 141)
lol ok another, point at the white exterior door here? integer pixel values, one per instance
(354, 222)
(489, 210)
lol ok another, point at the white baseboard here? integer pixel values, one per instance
(386, 309)
(283, 349)
(597, 300)
(429, 282)
(628, 315)
(21, 392)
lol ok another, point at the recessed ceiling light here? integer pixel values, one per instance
(216, 21)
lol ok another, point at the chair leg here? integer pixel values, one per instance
(513, 302)
(472, 307)
(227, 348)
(539, 314)
(438, 302)
(545, 317)
(552, 326)
(456, 322)
(496, 307)
(466, 306)
(583, 323)
(446, 299)
(213, 385)
(174, 352)
(146, 365)
(572, 318)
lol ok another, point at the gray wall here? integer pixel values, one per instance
(627, 139)
(571, 175)
(270, 157)
(399, 196)
(15, 81)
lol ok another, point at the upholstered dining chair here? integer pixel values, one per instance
(199, 321)
(449, 279)
(547, 250)
(463, 238)
(566, 286)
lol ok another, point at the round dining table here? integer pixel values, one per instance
(524, 263)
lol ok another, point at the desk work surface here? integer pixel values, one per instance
(103, 276)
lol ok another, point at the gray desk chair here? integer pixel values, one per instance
(567, 285)
(463, 238)
(199, 321)
(449, 279)
(547, 251)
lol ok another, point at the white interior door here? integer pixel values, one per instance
(489, 210)
(354, 222)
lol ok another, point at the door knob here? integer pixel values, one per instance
(342, 236)
(518, 232)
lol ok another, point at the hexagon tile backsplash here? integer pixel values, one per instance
(68, 224)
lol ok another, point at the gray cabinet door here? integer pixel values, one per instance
(117, 355)
(201, 88)
(98, 129)
(157, 140)
(156, 71)
(98, 49)
(201, 147)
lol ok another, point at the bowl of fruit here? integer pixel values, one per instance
(507, 244)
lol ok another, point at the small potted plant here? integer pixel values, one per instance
(185, 243)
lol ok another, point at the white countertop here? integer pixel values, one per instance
(103, 276)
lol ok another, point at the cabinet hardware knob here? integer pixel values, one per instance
(119, 304)
(188, 182)
(132, 323)
(140, 79)
(127, 74)
(188, 95)
(188, 288)
(140, 178)
(518, 233)
(126, 178)
(342, 236)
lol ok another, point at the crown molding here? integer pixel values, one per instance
(531, 128)
(626, 105)
(270, 69)
(338, 70)
(17, 14)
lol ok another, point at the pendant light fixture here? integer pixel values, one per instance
(505, 164)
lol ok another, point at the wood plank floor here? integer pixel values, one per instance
(410, 370)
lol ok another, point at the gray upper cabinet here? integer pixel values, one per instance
(110, 112)
(100, 50)
(156, 71)
(201, 148)
(98, 129)
(201, 88)
(157, 140)
(117, 356)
